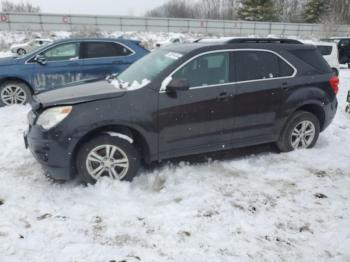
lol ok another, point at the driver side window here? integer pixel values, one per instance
(210, 69)
(63, 52)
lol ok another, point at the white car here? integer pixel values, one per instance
(170, 41)
(329, 51)
(22, 49)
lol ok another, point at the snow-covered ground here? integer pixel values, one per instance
(243, 205)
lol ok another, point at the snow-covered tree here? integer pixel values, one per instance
(315, 10)
(257, 10)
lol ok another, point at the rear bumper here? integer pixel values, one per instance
(330, 112)
(53, 157)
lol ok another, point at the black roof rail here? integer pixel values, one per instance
(263, 41)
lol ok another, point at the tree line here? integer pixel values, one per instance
(23, 7)
(308, 11)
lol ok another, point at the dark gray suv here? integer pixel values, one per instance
(182, 100)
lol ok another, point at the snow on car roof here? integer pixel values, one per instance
(324, 43)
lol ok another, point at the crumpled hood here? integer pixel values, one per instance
(81, 93)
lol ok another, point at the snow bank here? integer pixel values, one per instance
(243, 205)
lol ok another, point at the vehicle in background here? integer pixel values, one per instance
(181, 100)
(343, 44)
(171, 40)
(22, 49)
(62, 63)
(329, 51)
(347, 109)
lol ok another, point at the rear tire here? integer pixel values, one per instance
(14, 92)
(301, 131)
(21, 51)
(107, 156)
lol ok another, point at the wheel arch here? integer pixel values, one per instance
(316, 110)
(138, 139)
(17, 79)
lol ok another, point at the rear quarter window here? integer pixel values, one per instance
(313, 59)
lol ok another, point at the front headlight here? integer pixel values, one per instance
(52, 116)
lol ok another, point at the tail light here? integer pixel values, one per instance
(334, 82)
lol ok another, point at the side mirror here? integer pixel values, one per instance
(40, 59)
(178, 85)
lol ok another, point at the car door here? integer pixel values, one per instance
(102, 58)
(198, 119)
(62, 67)
(262, 78)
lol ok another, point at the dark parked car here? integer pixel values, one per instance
(343, 47)
(62, 63)
(182, 100)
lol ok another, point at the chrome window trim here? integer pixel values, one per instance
(79, 42)
(167, 80)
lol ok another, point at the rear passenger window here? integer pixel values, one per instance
(103, 49)
(255, 65)
(205, 70)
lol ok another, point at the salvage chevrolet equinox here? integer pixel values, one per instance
(181, 100)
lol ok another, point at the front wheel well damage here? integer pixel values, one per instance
(135, 138)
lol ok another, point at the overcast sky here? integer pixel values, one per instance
(100, 7)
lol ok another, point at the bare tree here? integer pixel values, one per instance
(173, 8)
(287, 10)
(208, 9)
(341, 10)
(8, 6)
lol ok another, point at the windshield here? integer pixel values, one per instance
(148, 67)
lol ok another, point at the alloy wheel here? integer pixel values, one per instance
(303, 135)
(13, 94)
(107, 160)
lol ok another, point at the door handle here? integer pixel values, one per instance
(117, 62)
(223, 96)
(284, 86)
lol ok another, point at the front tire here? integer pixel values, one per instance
(107, 156)
(301, 131)
(14, 92)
